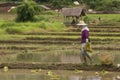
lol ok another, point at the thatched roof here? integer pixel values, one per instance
(73, 11)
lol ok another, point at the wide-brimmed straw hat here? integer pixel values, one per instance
(81, 23)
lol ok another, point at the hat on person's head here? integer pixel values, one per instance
(81, 23)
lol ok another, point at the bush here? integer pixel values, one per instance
(27, 10)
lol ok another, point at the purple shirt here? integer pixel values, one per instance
(85, 35)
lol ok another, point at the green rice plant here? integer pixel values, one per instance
(49, 13)
(14, 27)
(2, 31)
(8, 24)
(106, 19)
(28, 25)
(71, 52)
(40, 18)
(11, 58)
(38, 57)
(13, 30)
(24, 57)
(55, 26)
(95, 58)
(43, 25)
(117, 58)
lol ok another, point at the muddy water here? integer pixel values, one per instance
(70, 59)
(61, 58)
(57, 75)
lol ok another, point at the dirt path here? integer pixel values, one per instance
(58, 66)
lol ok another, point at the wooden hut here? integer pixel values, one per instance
(72, 15)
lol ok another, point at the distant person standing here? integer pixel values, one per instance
(84, 40)
(99, 19)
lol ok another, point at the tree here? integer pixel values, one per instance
(57, 4)
(27, 10)
(116, 4)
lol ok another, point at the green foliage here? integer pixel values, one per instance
(27, 10)
(107, 5)
(11, 0)
(58, 4)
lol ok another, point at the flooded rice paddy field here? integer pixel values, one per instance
(62, 56)
(62, 47)
(38, 74)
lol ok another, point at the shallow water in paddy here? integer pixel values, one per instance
(57, 75)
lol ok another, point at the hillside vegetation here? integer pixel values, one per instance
(107, 5)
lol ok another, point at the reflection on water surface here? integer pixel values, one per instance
(57, 75)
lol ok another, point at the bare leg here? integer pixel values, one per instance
(83, 53)
(89, 58)
(84, 57)
(87, 55)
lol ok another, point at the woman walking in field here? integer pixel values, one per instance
(84, 40)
